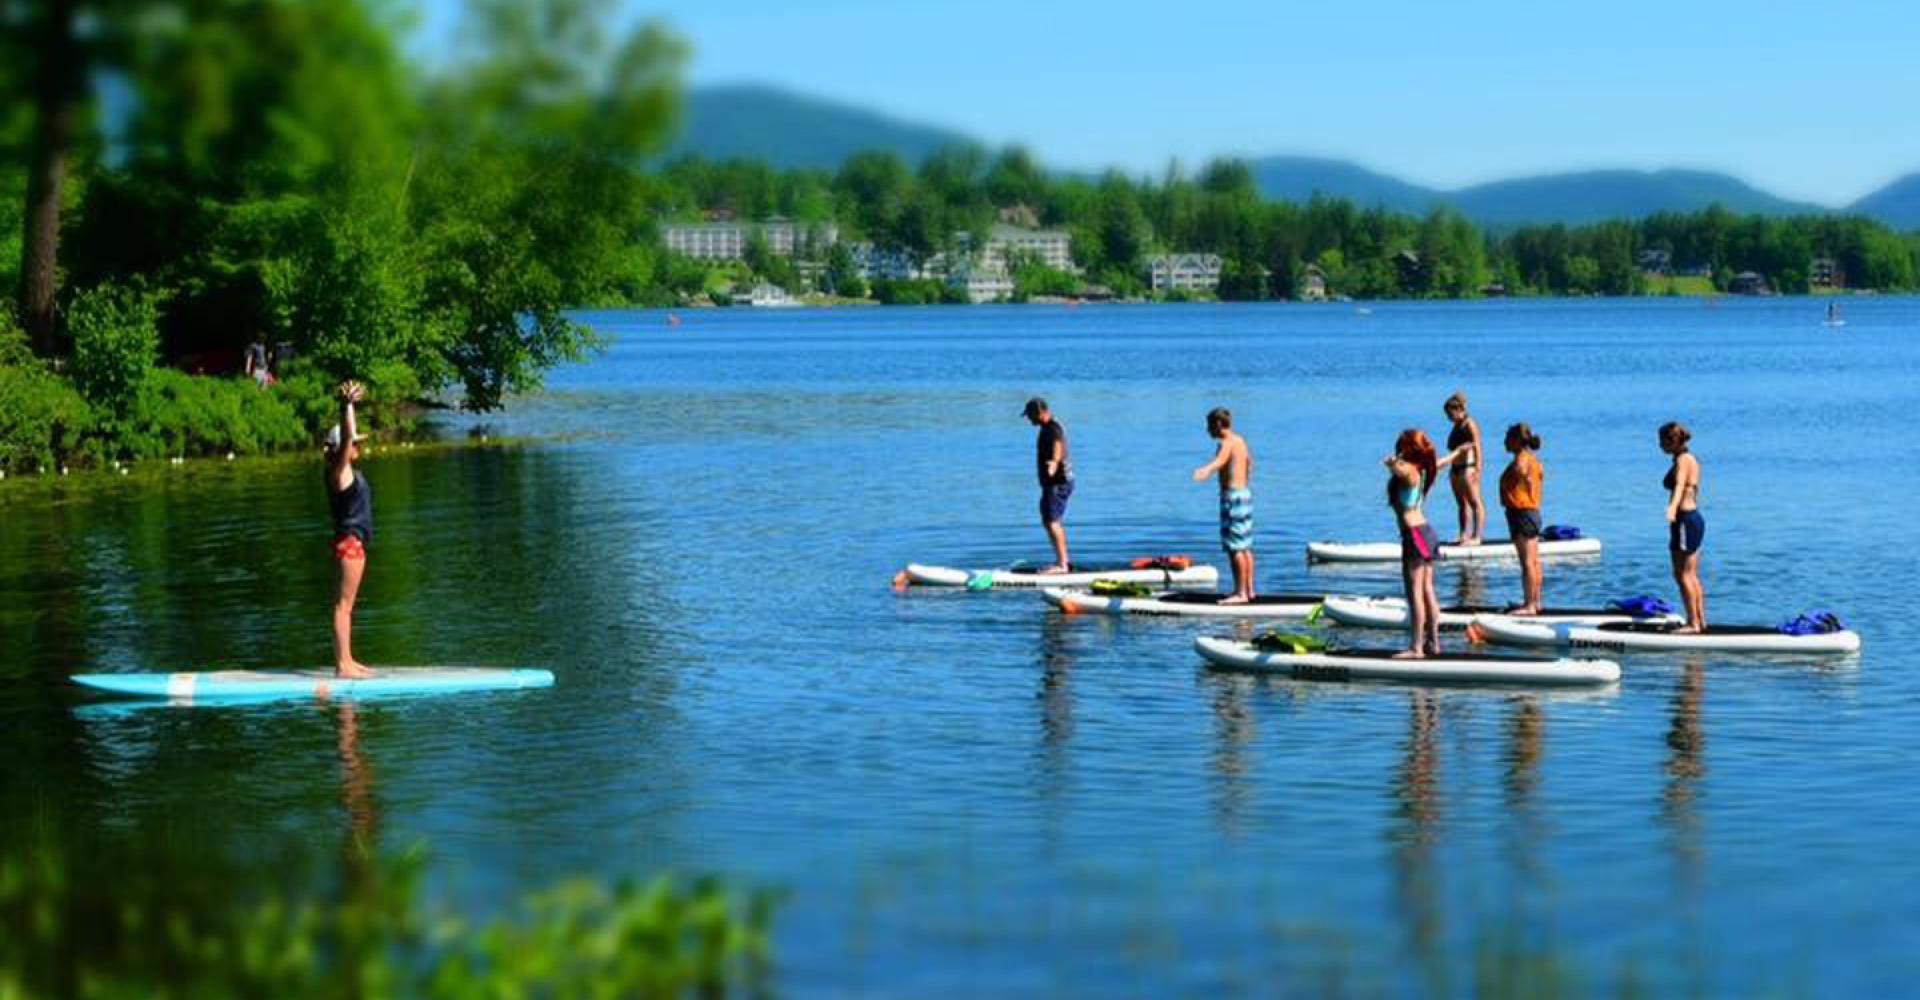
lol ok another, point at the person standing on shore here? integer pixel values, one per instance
(1463, 460)
(1233, 462)
(1055, 472)
(1411, 469)
(350, 500)
(1686, 528)
(1520, 495)
(257, 367)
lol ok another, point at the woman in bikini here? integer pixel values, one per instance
(1686, 529)
(1463, 471)
(1411, 470)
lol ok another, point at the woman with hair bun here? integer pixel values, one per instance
(1520, 495)
(1686, 529)
(1463, 470)
(1411, 470)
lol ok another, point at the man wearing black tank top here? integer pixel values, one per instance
(350, 500)
(1055, 472)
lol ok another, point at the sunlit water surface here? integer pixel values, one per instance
(969, 793)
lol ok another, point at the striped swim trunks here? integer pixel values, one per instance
(1236, 520)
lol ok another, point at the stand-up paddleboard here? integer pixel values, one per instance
(1492, 549)
(1379, 665)
(1656, 637)
(243, 685)
(1391, 612)
(1175, 602)
(1027, 575)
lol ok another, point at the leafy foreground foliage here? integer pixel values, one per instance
(118, 405)
(137, 926)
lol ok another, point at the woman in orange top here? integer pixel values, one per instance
(1520, 495)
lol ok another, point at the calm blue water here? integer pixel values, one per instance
(966, 793)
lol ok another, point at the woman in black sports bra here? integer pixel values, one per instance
(1463, 471)
(1686, 528)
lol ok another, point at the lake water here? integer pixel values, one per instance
(967, 793)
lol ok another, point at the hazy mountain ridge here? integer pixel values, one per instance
(1897, 204)
(793, 130)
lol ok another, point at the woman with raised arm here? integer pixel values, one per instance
(1411, 469)
(1462, 462)
(1686, 528)
(350, 500)
(1520, 496)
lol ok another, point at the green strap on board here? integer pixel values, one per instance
(980, 581)
(1276, 641)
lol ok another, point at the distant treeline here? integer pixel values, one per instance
(1117, 222)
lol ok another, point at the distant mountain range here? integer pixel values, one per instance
(792, 130)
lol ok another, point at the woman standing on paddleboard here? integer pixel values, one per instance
(1412, 466)
(1520, 495)
(1686, 529)
(1463, 471)
(350, 500)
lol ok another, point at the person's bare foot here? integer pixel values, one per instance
(1524, 610)
(353, 671)
(1458, 540)
(1054, 570)
(1688, 630)
(1475, 540)
(1236, 599)
(1410, 654)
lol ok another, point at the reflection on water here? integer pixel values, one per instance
(1414, 834)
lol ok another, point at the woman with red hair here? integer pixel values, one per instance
(1412, 467)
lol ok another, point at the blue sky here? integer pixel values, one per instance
(1810, 101)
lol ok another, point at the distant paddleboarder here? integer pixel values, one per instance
(350, 501)
(1055, 472)
(1233, 462)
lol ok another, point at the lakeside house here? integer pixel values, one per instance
(1749, 283)
(982, 283)
(1313, 284)
(726, 240)
(1184, 272)
(1655, 261)
(767, 295)
(1824, 272)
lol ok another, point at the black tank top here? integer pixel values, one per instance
(352, 508)
(1459, 436)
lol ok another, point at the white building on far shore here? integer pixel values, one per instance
(1184, 272)
(982, 283)
(728, 240)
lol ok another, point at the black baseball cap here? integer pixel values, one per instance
(1033, 407)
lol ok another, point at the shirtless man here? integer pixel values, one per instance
(1056, 478)
(1234, 463)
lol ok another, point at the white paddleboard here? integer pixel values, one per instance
(1637, 637)
(1391, 612)
(1491, 550)
(1379, 665)
(316, 683)
(1026, 576)
(1185, 603)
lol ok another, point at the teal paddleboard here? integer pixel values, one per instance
(318, 683)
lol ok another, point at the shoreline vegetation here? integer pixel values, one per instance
(286, 175)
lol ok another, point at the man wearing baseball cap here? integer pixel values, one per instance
(1056, 478)
(351, 501)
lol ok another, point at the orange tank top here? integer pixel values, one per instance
(1520, 484)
